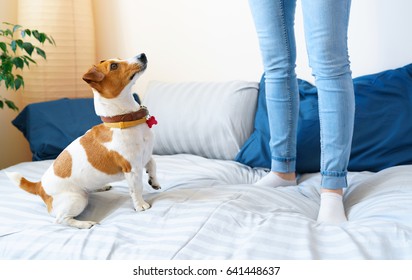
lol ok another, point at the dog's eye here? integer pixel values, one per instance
(114, 66)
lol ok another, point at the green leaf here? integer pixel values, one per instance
(1, 104)
(29, 59)
(9, 81)
(27, 31)
(3, 47)
(42, 37)
(26, 62)
(18, 82)
(7, 66)
(19, 43)
(8, 33)
(18, 62)
(16, 27)
(50, 39)
(41, 52)
(28, 47)
(13, 46)
(11, 105)
(36, 34)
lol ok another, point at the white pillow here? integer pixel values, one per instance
(209, 119)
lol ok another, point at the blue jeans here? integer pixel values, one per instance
(326, 25)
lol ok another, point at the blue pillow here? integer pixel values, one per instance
(382, 132)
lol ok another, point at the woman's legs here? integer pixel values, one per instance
(274, 22)
(326, 23)
(326, 26)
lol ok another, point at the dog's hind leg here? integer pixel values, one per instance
(68, 205)
(70, 221)
(151, 171)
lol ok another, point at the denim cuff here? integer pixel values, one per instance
(334, 180)
(284, 165)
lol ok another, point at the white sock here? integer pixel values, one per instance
(331, 209)
(273, 180)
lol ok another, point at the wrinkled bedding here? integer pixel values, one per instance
(209, 209)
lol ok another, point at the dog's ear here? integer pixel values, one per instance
(93, 75)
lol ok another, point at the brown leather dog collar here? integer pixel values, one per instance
(133, 116)
(126, 120)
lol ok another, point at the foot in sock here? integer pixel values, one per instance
(331, 208)
(273, 180)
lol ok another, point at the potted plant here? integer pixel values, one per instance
(16, 52)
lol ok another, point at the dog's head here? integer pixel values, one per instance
(110, 77)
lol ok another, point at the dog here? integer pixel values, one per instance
(117, 149)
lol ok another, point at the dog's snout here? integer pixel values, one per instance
(142, 57)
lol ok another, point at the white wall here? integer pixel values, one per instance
(185, 40)
(215, 40)
(380, 35)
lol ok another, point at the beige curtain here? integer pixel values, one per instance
(70, 23)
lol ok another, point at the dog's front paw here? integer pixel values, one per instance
(142, 206)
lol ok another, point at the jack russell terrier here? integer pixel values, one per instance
(117, 149)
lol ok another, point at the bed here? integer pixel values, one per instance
(211, 146)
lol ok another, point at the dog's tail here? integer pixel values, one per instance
(31, 187)
(23, 183)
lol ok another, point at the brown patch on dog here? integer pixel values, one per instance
(110, 77)
(37, 188)
(62, 166)
(101, 158)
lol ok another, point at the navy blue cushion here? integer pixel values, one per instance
(382, 133)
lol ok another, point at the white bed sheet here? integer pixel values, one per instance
(208, 209)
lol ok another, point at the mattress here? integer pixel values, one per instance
(208, 209)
